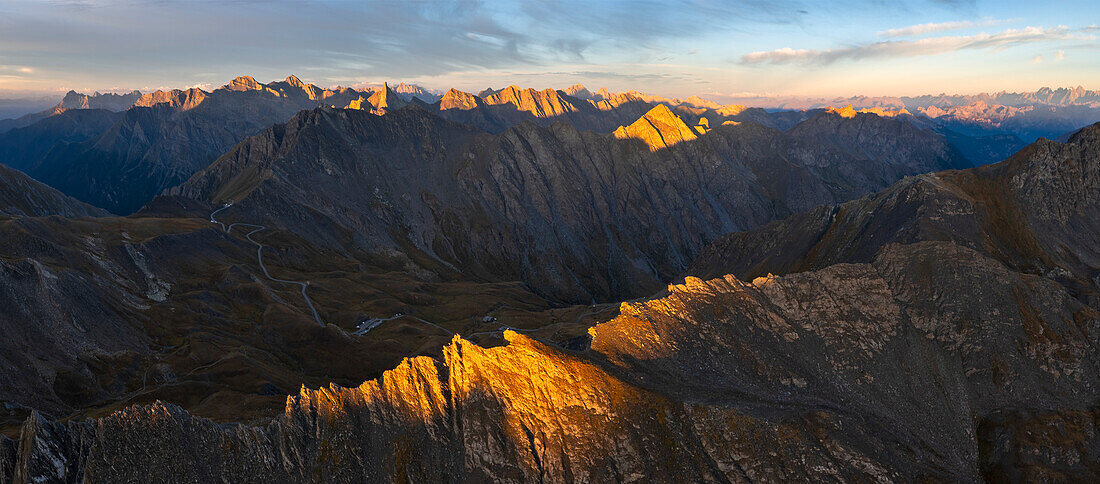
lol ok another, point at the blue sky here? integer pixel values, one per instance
(720, 50)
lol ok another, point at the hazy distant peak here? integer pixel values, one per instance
(579, 91)
(109, 101)
(850, 112)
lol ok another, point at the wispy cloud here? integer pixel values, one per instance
(1038, 59)
(19, 69)
(931, 27)
(910, 48)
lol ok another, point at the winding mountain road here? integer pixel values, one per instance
(373, 323)
(260, 257)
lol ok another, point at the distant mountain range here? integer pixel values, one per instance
(90, 146)
(116, 151)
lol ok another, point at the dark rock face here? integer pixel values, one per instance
(23, 148)
(577, 215)
(22, 196)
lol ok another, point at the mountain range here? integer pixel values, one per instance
(944, 329)
(284, 283)
(87, 150)
(578, 215)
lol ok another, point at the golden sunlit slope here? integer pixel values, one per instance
(659, 128)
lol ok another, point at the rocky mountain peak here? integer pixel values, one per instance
(409, 91)
(385, 100)
(543, 104)
(579, 91)
(455, 99)
(243, 83)
(294, 81)
(175, 98)
(659, 128)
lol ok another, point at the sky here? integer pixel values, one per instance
(720, 50)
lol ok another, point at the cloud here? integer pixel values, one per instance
(1038, 59)
(1059, 55)
(345, 41)
(957, 4)
(19, 69)
(937, 27)
(910, 48)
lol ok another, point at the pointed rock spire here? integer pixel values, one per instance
(385, 100)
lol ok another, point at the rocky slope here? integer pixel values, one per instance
(1035, 212)
(578, 215)
(23, 197)
(930, 362)
(22, 148)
